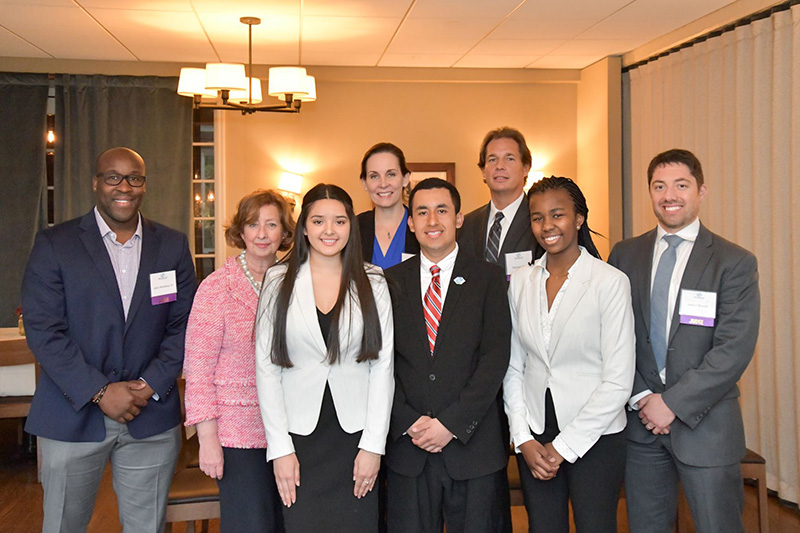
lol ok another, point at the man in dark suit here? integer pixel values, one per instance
(503, 226)
(106, 298)
(446, 453)
(696, 305)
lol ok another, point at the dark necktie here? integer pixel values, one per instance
(433, 306)
(659, 301)
(493, 243)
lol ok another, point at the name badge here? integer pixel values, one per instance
(405, 256)
(163, 287)
(698, 308)
(514, 260)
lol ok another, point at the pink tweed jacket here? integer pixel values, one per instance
(220, 366)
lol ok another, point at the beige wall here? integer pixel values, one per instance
(599, 139)
(432, 121)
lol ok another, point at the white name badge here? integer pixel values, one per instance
(698, 308)
(163, 287)
(514, 260)
(404, 256)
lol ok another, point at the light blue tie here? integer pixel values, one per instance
(659, 300)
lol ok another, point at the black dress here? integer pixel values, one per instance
(325, 500)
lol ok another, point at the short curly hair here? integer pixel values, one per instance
(247, 212)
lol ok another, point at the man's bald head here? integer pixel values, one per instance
(106, 159)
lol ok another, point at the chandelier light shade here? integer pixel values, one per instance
(310, 90)
(229, 82)
(225, 76)
(291, 183)
(287, 80)
(243, 97)
(193, 81)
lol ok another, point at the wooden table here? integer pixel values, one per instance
(19, 367)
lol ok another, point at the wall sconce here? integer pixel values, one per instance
(51, 127)
(533, 177)
(291, 185)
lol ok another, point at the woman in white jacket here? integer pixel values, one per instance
(571, 368)
(324, 370)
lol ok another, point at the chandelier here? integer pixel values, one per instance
(229, 83)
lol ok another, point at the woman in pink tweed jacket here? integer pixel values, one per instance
(221, 398)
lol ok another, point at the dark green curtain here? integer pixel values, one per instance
(94, 113)
(22, 174)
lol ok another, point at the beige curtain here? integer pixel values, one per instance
(734, 100)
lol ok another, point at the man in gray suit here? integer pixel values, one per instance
(696, 303)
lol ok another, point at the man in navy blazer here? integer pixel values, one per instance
(446, 454)
(106, 298)
(685, 423)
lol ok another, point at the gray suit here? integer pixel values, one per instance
(703, 367)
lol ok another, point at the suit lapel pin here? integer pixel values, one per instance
(459, 280)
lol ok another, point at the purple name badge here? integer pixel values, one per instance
(164, 298)
(697, 321)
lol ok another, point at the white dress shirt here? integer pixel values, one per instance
(124, 258)
(682, 253)
(445, 273)
(509, 213)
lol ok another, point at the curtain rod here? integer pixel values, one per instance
(744, 21)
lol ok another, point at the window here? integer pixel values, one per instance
(204, 200)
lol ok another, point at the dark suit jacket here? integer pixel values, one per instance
(472, 236)
(459, 384)
(76, 328)
(703, 363)
(366, 225)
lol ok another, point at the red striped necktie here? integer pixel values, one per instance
(432, 305)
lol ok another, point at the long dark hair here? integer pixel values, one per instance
(353, 276)
(578, 201)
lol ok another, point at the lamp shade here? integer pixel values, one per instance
(192, 82)
(291, 182)
(242, 97)
(287, 80)
(311, 91)
(221, 76)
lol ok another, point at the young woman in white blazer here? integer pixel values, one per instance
(571, 369)
(325, 375)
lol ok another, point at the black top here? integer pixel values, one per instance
(324, 324)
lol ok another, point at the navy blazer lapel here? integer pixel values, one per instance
(151, 243)
(698, 259)
(480, 237)
(454, 291)
(97, 251)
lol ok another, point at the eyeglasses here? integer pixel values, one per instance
(134, 180)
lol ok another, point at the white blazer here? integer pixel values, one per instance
(291, 398)
(590, 365)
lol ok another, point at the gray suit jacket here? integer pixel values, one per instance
(703, 363)
(472, 237)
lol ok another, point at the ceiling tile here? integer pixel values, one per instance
(463, 9)
(61, 3)
(64, 33)
(570, 9)
(558, 61)
(418, 60)
(249, 8)
(472, 60)
(356, 8)
(139, 5)
(151, 35)
(13, 46)
(515, 28)
(320, 57)
(439, 36)
(527, 47)
(342, 35)
(275, 40)
(592, 47)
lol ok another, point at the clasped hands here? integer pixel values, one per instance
(655, 415)
(124, 400)
(429, 434)
(543, 459)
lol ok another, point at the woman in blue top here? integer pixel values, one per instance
(385, 236)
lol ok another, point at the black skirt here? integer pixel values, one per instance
(325, 500)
